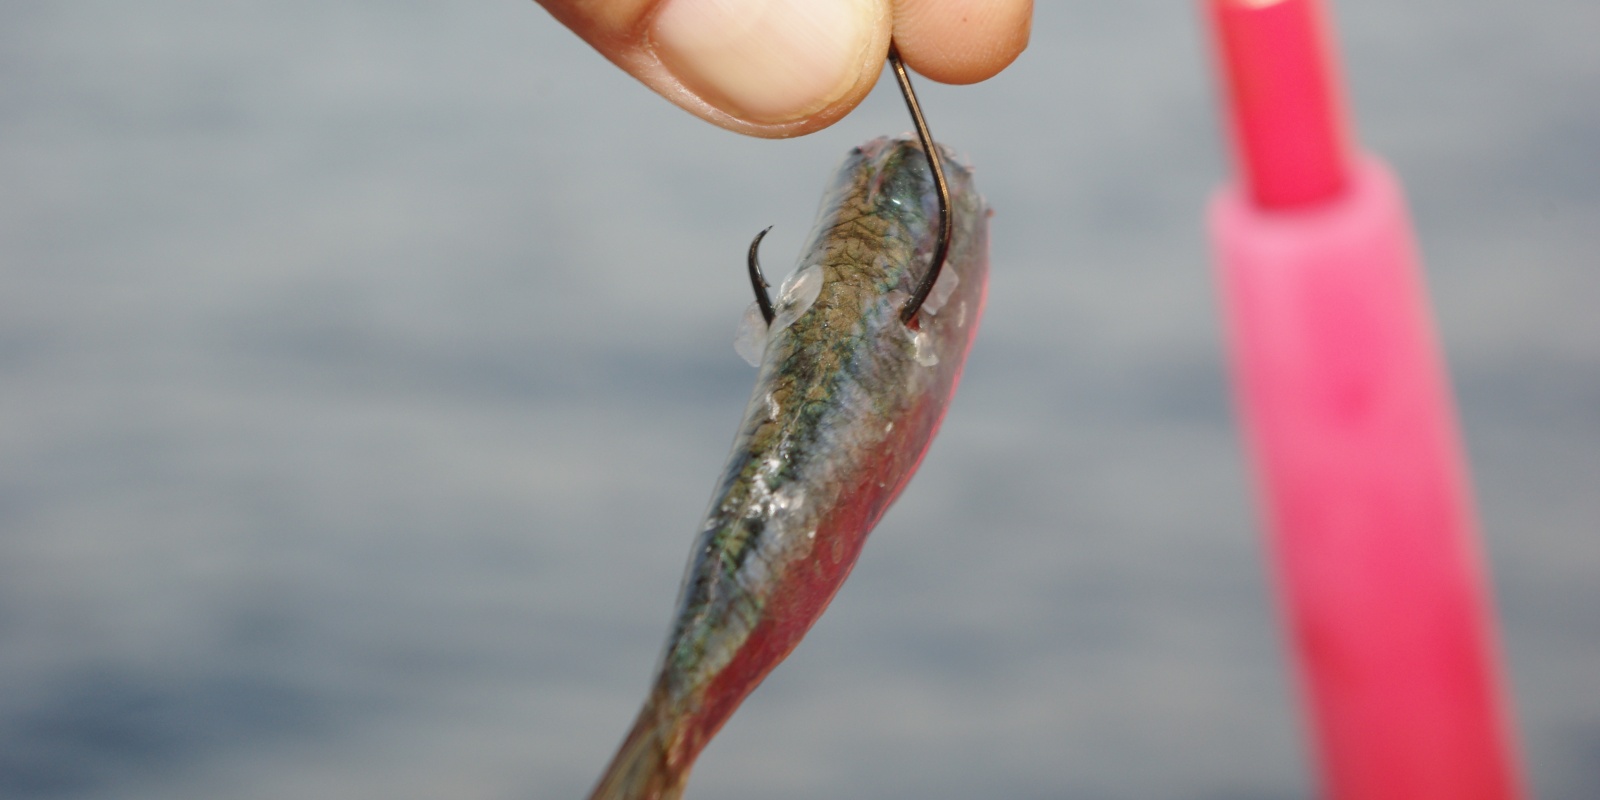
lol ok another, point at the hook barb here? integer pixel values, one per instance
(929, 149)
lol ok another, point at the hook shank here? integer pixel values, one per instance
(930, 150)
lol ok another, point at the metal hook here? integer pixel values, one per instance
(909, 313)
(756, 281)
(930, 151)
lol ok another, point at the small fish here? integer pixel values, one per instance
(847, 401)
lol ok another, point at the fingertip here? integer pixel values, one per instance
(962, 41)
(757, 67)
(773, 67)
(809, 123)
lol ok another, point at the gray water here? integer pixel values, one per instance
(365, 368)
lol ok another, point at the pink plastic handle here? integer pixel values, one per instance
(1284, 102)
(1352, 428)
(1350, 421)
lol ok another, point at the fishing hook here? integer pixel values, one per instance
(913, 305)
(929, 150)
(756, 281)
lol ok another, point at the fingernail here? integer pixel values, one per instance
(765, 61)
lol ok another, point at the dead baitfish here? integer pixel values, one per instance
(848, 399)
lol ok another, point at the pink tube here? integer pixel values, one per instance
(1285, 102)
(1351, 425)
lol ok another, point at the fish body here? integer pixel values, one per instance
(846, 403)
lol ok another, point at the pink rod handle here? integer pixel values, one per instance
(1351, 424)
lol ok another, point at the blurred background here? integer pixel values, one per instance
(365, 369)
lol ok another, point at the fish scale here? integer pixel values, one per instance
(844, 408)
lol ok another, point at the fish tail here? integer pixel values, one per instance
(643, 768)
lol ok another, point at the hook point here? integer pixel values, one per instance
(757, 281)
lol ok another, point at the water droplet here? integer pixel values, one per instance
(750, 339)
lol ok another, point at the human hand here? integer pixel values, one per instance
(778, 68)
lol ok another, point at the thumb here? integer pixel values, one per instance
(763, 67)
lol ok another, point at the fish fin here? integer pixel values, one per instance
(642, 768)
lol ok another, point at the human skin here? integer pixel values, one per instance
(781, 68)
